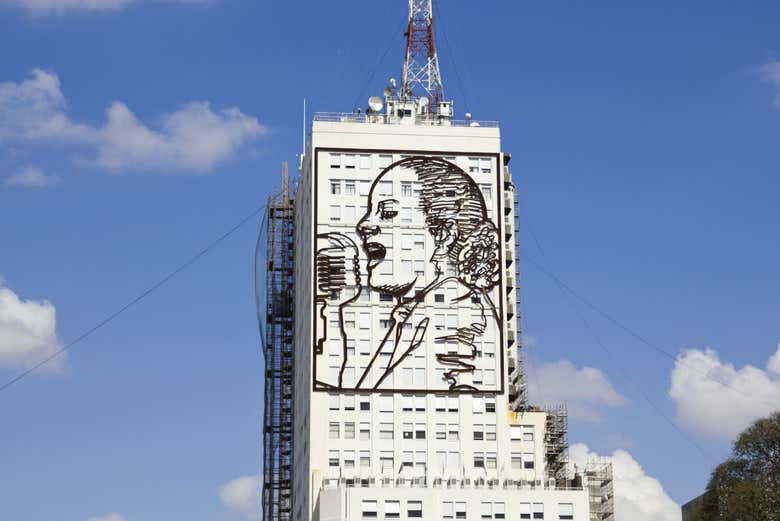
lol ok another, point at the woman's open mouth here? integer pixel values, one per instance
(375, 252)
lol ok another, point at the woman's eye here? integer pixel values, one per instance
(387, 214)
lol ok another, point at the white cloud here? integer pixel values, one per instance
(584, 391)
(718, 400)
(28, 332)
(194, 138)
(770, 72)
(638, 497)
(41, 7)
(108, 517)
(30, 176)
(242, 495)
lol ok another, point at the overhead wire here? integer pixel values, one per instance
(622, 370)
(451, 54)
(140, 297)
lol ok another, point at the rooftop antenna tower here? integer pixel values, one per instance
(421, 76)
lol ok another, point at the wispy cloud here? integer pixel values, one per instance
(585, 391)
(770, 72)
(638, 497)
(30, 176)
(108, 517)
(45, 7)
(242, 495)
(194, 138)
(717, 399)
(28, 331)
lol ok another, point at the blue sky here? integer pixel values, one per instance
(645, 141)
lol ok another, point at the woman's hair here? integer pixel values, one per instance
(453, 203)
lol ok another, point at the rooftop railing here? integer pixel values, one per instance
(389, 119)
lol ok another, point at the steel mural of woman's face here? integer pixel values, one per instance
(455, 219)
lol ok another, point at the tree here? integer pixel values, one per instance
(746, 487)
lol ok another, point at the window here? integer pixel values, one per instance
(489, 349)
(473, 165)
(477, 404)
(406, 241)
(479, 432)
(460, 510)
(334, 348)
(365, 459)
(365, 431)
(364, 345)
(414, 509)
(490, 376)
(453, 432)
(407, 403)
(452, 403)
(515, 432)
(365, 402)
(349, 431)
(365, 161)
(565, 510)
(476, 376)
(452, 322)
(335, 187)
(490, 432)
(333, 430)
(419, 242)
(386, 267)
(438, 322)
(419, 268)
(479, 461)
(333, 402)
(385, 297)
(528, 460)
(386, 403)
(441, 431)
(499, 510)
(349, 161)
(335, 160)
(385, 189)
(364, 187)
(349, 187)
(487, 192)
(384, 160)
(525, 510)
(440, 403)
(517, 460)
(406, 215)
(349, 459)
(438, 298)
(407, 431)
(386, 460)
(419, 378)
(407, 459)
(368, 509)
(484, 165)
(447, 510)
(333, 458)
(490, 404)
(538, 509)
(392, 509)
(406, 268)
(365, 322)
(490, 460)
(486, 510)
(419, 431)
(406, 189)
(453, 461)
(385, 431)
(441, 460)
(349, 214)
(528, 433)
(335, 213)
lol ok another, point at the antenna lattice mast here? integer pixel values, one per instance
(421, 76)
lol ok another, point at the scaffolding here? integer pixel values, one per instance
(556, 444)
(598, 479)
(278, 354)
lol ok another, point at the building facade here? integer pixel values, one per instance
(408, 398)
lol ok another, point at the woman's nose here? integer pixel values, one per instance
(366, 229)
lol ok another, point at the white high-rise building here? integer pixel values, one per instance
(406, 392)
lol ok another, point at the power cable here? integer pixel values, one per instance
(154, 287)
(451, 54)
(381, 60)
(636, 335)
(623, 372)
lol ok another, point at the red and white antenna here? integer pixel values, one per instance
(421, 76)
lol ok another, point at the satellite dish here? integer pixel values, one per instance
(468, 115)
(375, 103)
(388, 92)
(392, 82)
(423, 102)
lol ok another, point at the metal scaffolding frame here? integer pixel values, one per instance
(556, 443)
(278, 351)
(598, 479)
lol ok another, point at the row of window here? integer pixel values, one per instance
(458, 509)
(417, 459)
(411, 189)
(441, 321)
(410, 378)
(443, 431)
(350, 213)
(363, 347)
(349, 161)
(411, 403)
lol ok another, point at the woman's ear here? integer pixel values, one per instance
(478, 259)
